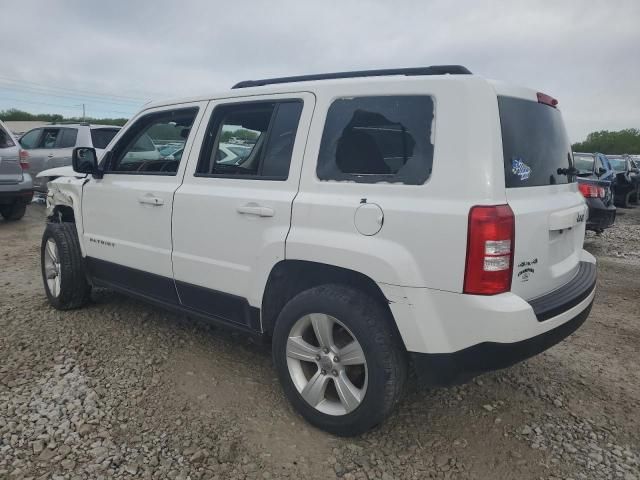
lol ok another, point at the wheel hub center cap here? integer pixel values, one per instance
(326, 363)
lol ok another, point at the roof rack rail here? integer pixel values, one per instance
(71, 122)
(432, 70)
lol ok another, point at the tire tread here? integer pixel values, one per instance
(75, 291)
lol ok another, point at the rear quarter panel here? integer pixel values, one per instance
(422, 242)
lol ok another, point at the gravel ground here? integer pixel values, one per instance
(123, 390)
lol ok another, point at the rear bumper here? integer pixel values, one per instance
(453, 337)
(600, 215)
(461, 366)
(17, 192)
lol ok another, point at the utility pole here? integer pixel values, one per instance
(83, 115)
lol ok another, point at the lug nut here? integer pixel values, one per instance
(336, 359)
(325, 350)
(323, 371)
(334, 373)
(318, 357)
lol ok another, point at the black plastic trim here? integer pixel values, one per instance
(461, 366)
(567, 296)
(432, 70)
(145, 283)
(219, 307)
(229, 307)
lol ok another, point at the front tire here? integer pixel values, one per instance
(63, 272)
(340, 361)
(13, 212)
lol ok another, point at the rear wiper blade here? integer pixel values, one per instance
(571, 171)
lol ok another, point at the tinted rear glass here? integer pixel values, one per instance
(100, 137)
(534, 143)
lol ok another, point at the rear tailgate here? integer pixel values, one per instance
(550, 213)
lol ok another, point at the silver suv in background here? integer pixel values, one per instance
(51, 146)
(16, 189)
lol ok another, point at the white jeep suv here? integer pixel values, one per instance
(383, 220)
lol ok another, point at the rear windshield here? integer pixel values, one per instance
(100, 137)
(534, 143)
(583, 163)
(618, 164)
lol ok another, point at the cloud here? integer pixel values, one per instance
(582, 52)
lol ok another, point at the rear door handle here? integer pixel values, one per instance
(255, 209)
(150, 199)
(51, 155)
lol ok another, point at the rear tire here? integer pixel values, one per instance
(13, 212)
(351, 401)
(62, 267)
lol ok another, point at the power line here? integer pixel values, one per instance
(52, 87)
(60, 106)
(35, 91)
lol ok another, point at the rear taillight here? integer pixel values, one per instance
(24, 159)
(547, 99)
(490, 244)
(591, 191)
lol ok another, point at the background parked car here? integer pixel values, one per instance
(594, 182)
(635, 176)
(16, 188)
(626, 185)
(51, 146)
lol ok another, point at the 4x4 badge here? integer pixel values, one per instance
(518, 167)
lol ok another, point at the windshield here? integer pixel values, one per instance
(584, 163)
(618, 164)
(534, 143)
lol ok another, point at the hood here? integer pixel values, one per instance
(67, 171)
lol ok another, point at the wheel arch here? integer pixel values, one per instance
(290, 277)
(64, 204)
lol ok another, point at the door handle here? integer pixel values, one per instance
(150, 199)
(50, 155)
(255, 209)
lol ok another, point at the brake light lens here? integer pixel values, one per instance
(547, 99)
(24, 159)
(490, 244)
(591, 191)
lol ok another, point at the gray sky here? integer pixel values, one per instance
(113, 55)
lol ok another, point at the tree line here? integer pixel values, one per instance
(604, 141)
(13, 114)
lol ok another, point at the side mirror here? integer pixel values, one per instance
(635, 170)
(85, 160)
(601, 171)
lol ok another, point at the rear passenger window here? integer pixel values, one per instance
(49, 138)
(378, 139)
(67, 138)
(251, 140)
